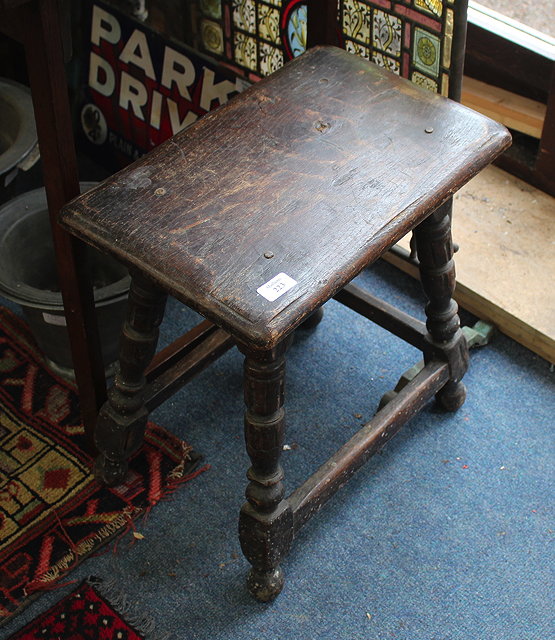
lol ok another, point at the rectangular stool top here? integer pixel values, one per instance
(266, 207)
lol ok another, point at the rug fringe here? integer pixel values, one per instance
(142, 622)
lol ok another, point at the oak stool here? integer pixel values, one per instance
(255, 216)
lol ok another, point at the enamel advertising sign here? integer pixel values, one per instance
(141, 89)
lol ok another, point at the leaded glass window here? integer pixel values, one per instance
(257, 36)
(412, 38)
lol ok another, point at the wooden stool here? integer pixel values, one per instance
(256, 216)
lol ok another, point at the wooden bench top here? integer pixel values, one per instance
(311, 173)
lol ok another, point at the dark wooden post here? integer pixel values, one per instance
(266, 520)
(545, 163)
(437, 274)
(322, 22)
(122, 419)
(36, 23)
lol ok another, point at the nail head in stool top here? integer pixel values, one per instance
(266, 208)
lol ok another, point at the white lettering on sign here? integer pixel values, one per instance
(137, 52)
(133, 94)
(176, 123)
(101, 76)
(156, 109)
(151, 105)
(179, 69)
(211, 91)
(105, 26)
(276, 287)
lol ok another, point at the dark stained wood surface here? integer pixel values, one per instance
(322, 166)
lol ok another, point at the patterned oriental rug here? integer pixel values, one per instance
(85, 614)
(53, 514)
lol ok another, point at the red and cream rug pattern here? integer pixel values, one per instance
(53, 513)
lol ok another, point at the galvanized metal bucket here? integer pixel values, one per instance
(28, 277)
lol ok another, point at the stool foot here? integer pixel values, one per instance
(452, 396)
(265, 585)
(110, 472)
(313, 320)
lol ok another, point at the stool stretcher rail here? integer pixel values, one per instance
(398, 322)
(194, 355)
(333, 474)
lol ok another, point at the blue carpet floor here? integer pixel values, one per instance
(443, 536)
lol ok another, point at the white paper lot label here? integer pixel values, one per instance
(276, 287)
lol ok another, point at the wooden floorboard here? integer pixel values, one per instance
(506, 263)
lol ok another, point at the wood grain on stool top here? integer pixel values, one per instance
(324, 165)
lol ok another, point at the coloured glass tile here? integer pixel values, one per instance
(423, 81)
(212, 37)
(426, 50)
(296, 27)
(211, 8)
(357, 21)
(246, 51)
(270, 58)
(386, 61)
(268, 23)
(386, 32)
(448, 37)
(432, 6)
(244, 15)
(358, 49)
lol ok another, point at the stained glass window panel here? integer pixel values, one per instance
(257, 36)
(413, 38)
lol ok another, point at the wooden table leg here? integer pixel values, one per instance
(43, 48)
(122, 419)
(266, 520)
(437, 274)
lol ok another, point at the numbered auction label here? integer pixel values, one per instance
(276, 287)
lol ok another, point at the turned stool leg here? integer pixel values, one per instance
(266, 519)
(122, 419)
(437, 274)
